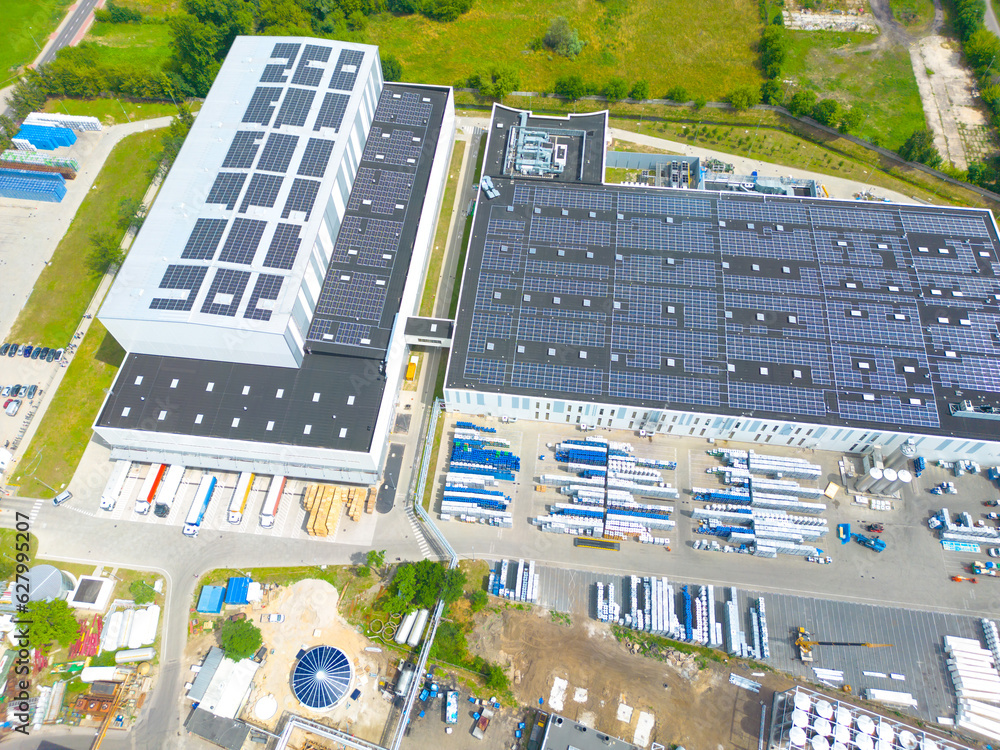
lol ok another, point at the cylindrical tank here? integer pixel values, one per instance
(135, 654)
(405, 678)
(869, 480)
(905, 479)
(418, 628)
(889, 480)
(404, 628)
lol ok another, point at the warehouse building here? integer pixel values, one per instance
(264, 302)
(775, 320)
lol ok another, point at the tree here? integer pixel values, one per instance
(195, 46)
(572, 87)
(105, 253)
(802, 103)
(50, 622)
(982, 50)
(615, 89)
(640, 90)
(115, 13)
(375, 559)
(28, 95)
(825, 112)
(498, 81)
(677, 94)
(281, 14)
(453, 585)
(698, 102)
(562, 39)
(131, 214)
(851, 119)
(172, 142)
(919, 147)
(772, 50)
(772, 93)
(744, 97)
(496, 678)
(142, 592)
(444, 10)
(968, 18)
(477, 600)
(392, 68)
(230, 18)
(240, 639)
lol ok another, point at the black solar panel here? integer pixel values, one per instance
(241, 244)
(305, 74)
(277, 153)
(226, 292)
(295, 107)
(357, 295)
(331, 114)
(261, 107)
(277, 73)
(242, 151)
(263, 191)
(204, 239)
(267, 287)
(285, 51)
(346, 72)
(274, 74)
(316, 158)
(284, 247)
(226, 189)
(301, 198)
(180, 277)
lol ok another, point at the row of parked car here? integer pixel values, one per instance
(13, 394)
(31, 352)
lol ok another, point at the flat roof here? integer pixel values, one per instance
(359, 301)
(565, 734)
(226, 243)
(435, 327)
(227, 733)
(830, 312)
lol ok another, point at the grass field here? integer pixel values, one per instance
(111, 111)
(837, 65)
(915, 15)
(705, 45)
(65, 286)
(55, 450)
(146, 44)
(441, 234)
(23, 20)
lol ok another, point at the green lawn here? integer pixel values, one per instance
(441, 235)
(65, 287)
(915, 15)
(22, 20)
(708, 46)
(111, 111)
(52, 457)
(837, 65)
(145, 44)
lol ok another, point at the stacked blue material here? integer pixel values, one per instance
(46, 138)
(32, 186)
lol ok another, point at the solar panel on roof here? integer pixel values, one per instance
(267, 288)
(261, 107)
(357, 295)
(204, 239)
(302, 197)
(226, 189)
(277, 152)
(404, 108)
(242, 241)
(284, 247)
(243, 150)
(181, 278)
(346, 72)
(295, 107)
(398, 147)
(331, 113)
(316, 158)
(380, 190)
(274, 74)
(263, 191)
(305, 74)
(225, 292)
(285, 51)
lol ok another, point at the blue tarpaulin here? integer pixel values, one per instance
(236, 591)
(210, 600)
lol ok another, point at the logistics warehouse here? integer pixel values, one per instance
(775, 320)
(264, 302)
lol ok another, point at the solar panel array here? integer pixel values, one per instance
(872, 315)
(360, 294)
(253, 181)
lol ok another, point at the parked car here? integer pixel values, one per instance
(36, 353)
(12, 407)
(6, 403)
(22, 391)
(993, 552)
(44, 353)
(59, 353)
(14, 390)
(51, 355)
(62, 497)
(32, 389)
(21, 348)
(28, 349)
(13, 351)
(4, 349)
(272, 618)
(5, 392)
(260, 655)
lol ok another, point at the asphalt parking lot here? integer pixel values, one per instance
(914, 570)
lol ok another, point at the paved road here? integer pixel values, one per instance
(991, 18)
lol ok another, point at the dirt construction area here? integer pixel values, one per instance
(582, 672)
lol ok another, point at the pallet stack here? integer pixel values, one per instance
(356, 502)
(372, 498)
(324, 504)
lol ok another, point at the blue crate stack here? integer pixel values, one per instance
(46, 138)
(32, 186)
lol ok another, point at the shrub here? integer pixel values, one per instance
(640, 90)
(562, 39)
(919, 147)
(392, 69)
(678, 94)
(239, 639)
(825, 112)
(802, 103)
(744, 97)
(572, 87)
(615, 89)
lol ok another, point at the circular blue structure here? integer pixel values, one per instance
(322, 677)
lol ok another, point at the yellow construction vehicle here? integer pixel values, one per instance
(805, 643)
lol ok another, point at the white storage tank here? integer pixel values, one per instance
(418, 628)
(404, 628)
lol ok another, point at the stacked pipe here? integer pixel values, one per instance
(992, 638)
(736, 641)
(765, 644)
(74, 122)
(743, 478)
(752, 497)
(775, 466)
(977, 685)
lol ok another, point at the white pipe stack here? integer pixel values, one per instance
(977, 682)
